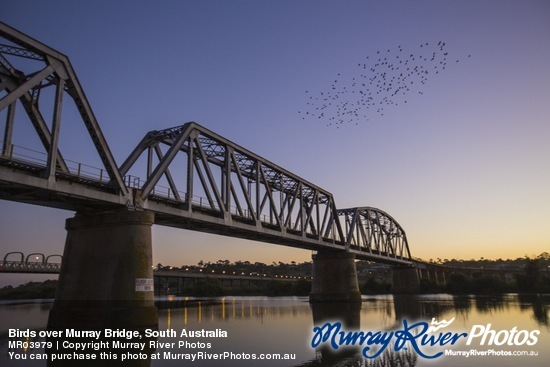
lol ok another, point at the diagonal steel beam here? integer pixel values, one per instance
(211, 180)
(243, 186)
(168, 174)
(272, 208)
(18, 92)
(204, 184)
(160, 169)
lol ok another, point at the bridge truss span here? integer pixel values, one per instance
(35, 81)
(227, 189)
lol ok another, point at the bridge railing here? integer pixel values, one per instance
(160, 192)
(37, 159)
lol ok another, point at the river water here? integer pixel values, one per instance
(271, 327)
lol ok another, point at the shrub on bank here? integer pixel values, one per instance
(459, 284)
(429, 286)
(208, 288)
(30, 290)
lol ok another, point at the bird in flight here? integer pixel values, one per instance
(375, 84)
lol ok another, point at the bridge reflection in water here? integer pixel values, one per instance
(260, 325)
(274, 314)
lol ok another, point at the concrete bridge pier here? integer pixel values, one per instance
(405, 280)
(106, 278)
(334, 277)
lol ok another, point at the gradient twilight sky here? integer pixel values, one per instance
(462, 166)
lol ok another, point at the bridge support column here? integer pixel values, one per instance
(106, 278)
(334, 278)
(405, 280)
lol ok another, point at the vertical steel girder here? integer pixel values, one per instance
(24, 87)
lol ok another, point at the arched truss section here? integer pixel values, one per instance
(218, 177)
(35, 257)
(32, 263)
(373, 231)
(22, 256)
(47, 261)
(27, 69)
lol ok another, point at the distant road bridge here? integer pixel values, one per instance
(167, 281)
(185, 177)
(32, 263)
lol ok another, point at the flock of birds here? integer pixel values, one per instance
(383, 80)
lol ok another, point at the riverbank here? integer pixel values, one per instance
(203, 288)
(457, 284)
(30, 290)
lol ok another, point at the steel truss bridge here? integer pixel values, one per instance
(188, 176)
(32, 263)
